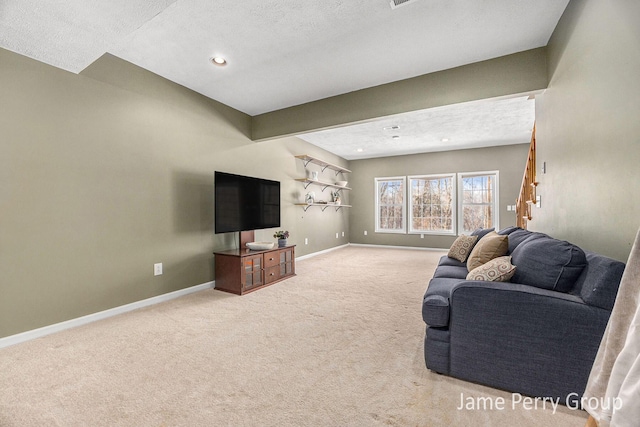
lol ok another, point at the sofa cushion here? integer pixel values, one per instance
(508, 230)
(548, 263)
(497, 270)
(441, 286)
(435, 310)
(451, 272)
(518, 236)
(462, 246)
(481, 232)
(598, 285)
(489, 247)
(445, 260)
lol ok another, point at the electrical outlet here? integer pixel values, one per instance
(306, 241)
(343, 234)
(337, 236)
(157, 269)
(365, 232)
(422, 236)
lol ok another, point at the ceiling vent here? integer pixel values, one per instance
(397, 3)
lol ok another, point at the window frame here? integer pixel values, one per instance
(454, 204)
(496, 202)
(403, 229)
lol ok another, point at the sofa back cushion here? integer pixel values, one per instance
(599, 282)
(481, 232)
(548, 263)
(519, 236)
(491, 246)
(508, 230)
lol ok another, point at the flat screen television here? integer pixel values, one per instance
(244, 203)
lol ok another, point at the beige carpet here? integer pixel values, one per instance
(338, 345)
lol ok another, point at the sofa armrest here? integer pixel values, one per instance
(504, 334)
(435, 310)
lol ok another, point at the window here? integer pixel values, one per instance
(478, 201)
(437, 204)
(390, 205)
(432, 204)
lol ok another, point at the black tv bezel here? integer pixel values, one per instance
(242, 227)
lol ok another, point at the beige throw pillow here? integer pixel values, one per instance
(491, 246)
(497, 270)
(462, 247)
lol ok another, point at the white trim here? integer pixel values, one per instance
(454, 204)
(403, 229)
(94, 317)
(419, 248)
(461, 176)
(311, 255)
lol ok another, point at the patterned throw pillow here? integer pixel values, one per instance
(461, 248)
(497, 270)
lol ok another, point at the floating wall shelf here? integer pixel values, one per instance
(307, 182)
(324, 165)
(323, 206)
(306, 160)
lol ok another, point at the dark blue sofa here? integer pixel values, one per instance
(537, 334)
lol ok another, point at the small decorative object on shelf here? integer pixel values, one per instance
(309, 198)
(282, 237)
(336, 197)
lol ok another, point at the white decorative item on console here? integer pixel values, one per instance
(260, 246)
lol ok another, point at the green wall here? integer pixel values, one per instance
(105, 173)
(509, 160)
(588, 128)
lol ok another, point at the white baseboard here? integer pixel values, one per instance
(311, 255)
(57, 327)
(419, 248)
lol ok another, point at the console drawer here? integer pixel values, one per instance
(271, 259)
(271, 274)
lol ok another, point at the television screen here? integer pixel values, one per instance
(243, 203)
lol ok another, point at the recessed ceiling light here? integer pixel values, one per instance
(445, 140)
(360, 150)
(219, 61)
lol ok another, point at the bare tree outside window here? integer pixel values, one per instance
(390, 213)
(444, 204)
(479, 202)
(432, 204)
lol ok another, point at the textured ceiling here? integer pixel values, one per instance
(280, 53)
(71, 34)
(454, 127)
(283, 53)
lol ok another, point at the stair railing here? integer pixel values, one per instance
(527, 196)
